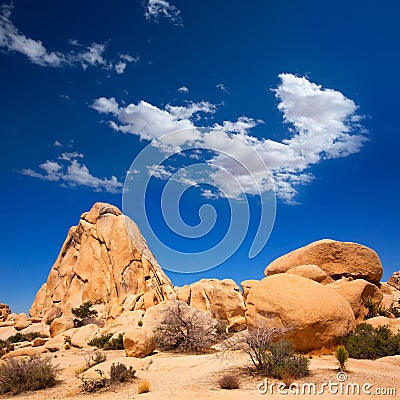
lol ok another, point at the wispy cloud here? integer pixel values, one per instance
(12, 40)
(222, 87)
(323, 124)
(156, 9)
(68, 171)
(183, 89)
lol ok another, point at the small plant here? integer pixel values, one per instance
(84, 314)
(143, 386)
(374, 307)
(370, 343)
(120, 373)
(94, 358)
(229, 382)
(35, 373)
(342, 355)
(115, 343)
(396, 312)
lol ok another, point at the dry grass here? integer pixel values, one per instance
(229, 382)
(143, 386)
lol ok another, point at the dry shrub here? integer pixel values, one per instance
(229, 382)
(143, 386)
(186, 329)
(120, 373)
(21, 375)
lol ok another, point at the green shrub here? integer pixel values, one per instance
(85, 315)
(342, 355)
(105, 342)
(18, 375)
(120, 373)
(229, 382)
(100, 341)
(22, 337)
(370, 343)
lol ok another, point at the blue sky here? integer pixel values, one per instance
(308, 88)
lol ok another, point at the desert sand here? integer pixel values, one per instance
(192, 377)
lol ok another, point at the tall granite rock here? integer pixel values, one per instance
(105, 260)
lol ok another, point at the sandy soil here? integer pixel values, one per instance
(192, 377)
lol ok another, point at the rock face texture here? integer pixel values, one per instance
(354, 292)
(315, 313)
(394, 280)
(104, 260)
(337, 259)
(222, 298)
(4, 311)
(311, 272)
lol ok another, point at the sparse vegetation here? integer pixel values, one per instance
(106, 343)
(84, 315)
(396, 312)
(94, 358)
(22, 337)
(120, 373)
(229, 382)
(342, 355)
(186, 329)
(375, 308)
(370, 343)
(19, 375)
(90, 385)
(269, 353)
(143, 386)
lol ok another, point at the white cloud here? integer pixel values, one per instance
(183, 89)
(72, 173)
(162, 8)
(222, 87)
(12, 40)
(57, 144)
(323, 124)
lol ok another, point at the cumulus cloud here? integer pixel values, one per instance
(71, 173)
(322, 124)
(12, 40)
(156, 9)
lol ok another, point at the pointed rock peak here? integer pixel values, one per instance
(104, 260)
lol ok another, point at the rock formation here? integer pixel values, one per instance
(394, 280)
(4, 311)
(223, 299)
(104, 260)
(337, 259)
(316, 315)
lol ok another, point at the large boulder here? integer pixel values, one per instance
(22, 322)
(315, 314)
(222, 298)
(125, 322)
(337, 259)
(391, 296)
(394, 280)
(60, 325)
(139, 342)
(311, 272)
(246, 287)
(356, 292)
(104, 259)
(392, 323)
(83, 335)
(7, 331)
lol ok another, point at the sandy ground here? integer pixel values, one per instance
(192, 377)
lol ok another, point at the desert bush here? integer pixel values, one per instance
(396, 312)
(342, 355)
(229, 382)
(22, 337)
(19, 375)
(374, 307)
(186, 329)
(120, 373)
(144, 386)
(106, 343)
(94, 358)
(270, 354)
(370, 343)
(84, 315)
(100, 341)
